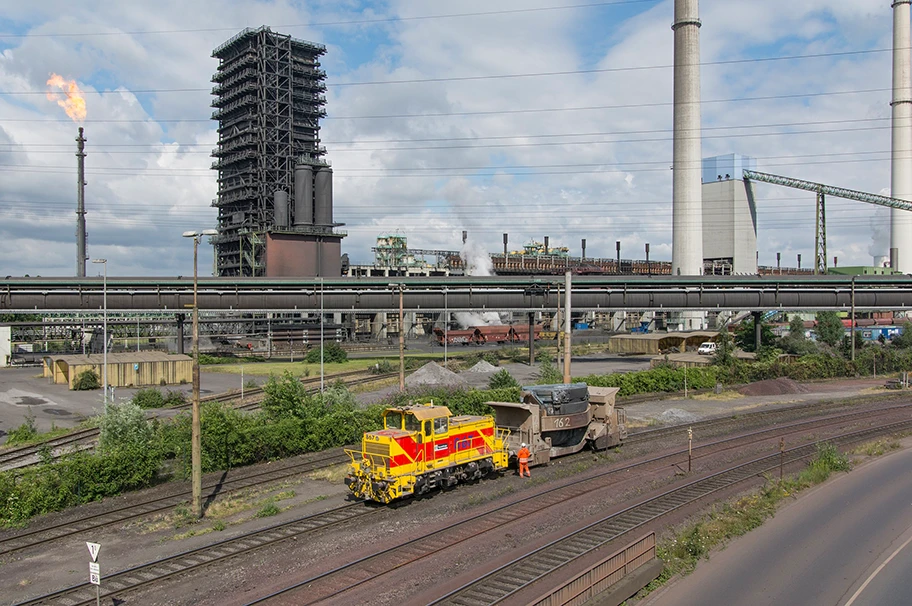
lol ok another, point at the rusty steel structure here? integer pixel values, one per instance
(269, 100)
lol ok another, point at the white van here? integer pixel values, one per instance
(707, 349)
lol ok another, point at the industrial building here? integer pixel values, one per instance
(729, 217)
(274, 200)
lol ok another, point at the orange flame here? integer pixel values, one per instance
(74, 104)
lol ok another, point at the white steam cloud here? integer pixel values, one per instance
(477, 263)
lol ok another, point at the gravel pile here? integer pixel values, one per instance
(676, 416)
(434, 374)
(483, 366)
(773, 387)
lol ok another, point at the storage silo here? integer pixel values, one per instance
(280, 209)
(323, 211)
(303, 195)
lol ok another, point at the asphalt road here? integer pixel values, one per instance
(847, 543)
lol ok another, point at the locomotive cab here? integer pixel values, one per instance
(423, 447)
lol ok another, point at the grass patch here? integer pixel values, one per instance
(334, 474)
(267, 510)
(725, 396)
(681, 551)
(876, 448)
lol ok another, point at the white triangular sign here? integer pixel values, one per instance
(93, 550)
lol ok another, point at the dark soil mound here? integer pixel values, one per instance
(773, 387)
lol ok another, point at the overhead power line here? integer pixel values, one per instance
(480, 113)
(373, 21)
(604, 70)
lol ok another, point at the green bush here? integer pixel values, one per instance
(549, 374)
(460, 401)
(87, 380)
(24, 433)
(124, 428)
(73, 480)
(502, 379)
(656, 380)
(332, 353)
(149, 397)
(383, 367)
(174, 398)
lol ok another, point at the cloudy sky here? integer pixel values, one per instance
(530, 117)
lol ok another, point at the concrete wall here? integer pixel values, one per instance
(6, 347)
(730, 225)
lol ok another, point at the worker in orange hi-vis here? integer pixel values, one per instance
(523, 457)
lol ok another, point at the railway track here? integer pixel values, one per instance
(329, 586)
(43, 536)
(121, 582)
(765, 416)
(507, 580)
(146, 574)
(23, 456)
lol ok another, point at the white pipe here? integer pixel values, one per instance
(901, 169)
(687, 208)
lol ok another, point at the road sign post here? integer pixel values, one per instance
(95, 570)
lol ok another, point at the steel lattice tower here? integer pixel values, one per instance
(269, 99)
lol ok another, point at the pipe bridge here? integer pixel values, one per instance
(595, 293)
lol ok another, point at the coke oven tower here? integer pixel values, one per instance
(274, 187)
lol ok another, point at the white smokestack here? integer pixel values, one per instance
(901, 176)
(687, 208)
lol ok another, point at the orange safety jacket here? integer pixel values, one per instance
(523, 455)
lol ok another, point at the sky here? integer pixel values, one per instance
(528, 117)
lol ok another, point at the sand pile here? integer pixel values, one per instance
(434, 374)
(773, 387)
(483, 366)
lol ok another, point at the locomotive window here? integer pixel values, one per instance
(440, 425)
(427, 428)
(394, 420)
(412, 424)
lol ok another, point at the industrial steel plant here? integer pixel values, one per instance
(274, 202)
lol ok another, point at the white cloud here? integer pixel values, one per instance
(504, 171)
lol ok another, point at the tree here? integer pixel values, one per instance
(796, 342)
(744, 336)
(724, 348)
(903, 339)
(332, 352)
(502, 379)
(285, 396)
(829, 328)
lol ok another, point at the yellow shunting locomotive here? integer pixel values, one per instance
(422, 447)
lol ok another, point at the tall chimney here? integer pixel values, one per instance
(465, 236)
(506, 238)
(687, 206)
(584, 248)
(901, 174)
(546, 245)
(80, 207)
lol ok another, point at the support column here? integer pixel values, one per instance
(180, 332)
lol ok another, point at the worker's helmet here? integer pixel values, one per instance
(523, 445)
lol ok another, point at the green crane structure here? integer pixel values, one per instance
(820, 261)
